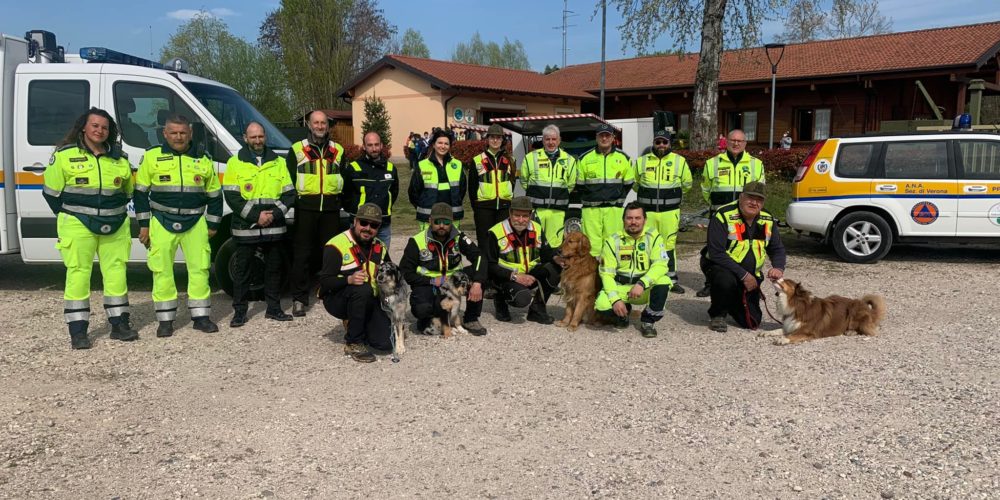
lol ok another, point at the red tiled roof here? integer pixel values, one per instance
(470, 76)
(958, 46)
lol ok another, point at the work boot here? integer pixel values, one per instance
(705, 292)
(78, 334)
(677, 288)
(647, 330)
(121, 329)
(359, 352)
(475, 328)
(537, 314)
(165, 329)
(239, 319)
(278, 315)
(621, 323)
(204, 324)
(502, 310)
(718, 324)
(298, 309)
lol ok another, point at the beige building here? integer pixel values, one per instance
(420, 94)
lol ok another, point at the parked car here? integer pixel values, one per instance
(863, 194)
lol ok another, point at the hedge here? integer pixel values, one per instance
(353, 152)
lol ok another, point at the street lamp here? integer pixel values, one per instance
(779, 49)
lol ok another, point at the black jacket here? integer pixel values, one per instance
(718, 241)
(379, 182)
(449, 253)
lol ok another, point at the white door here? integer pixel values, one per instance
(47, 106)
(979, 182)
(917, 188)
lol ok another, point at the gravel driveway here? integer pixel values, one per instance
(276, 411)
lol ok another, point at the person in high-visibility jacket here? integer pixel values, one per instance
(178, 202)
(633, 270)
(491, 184)
(661, 179)
(722, 182)
(741, 236)
(548, 176)
(605, 177)
(439, 178)
(524, 268)
(314, 164)
(258, 189)
(88, 184)
(372, 179)
(430, 257)
(348, 288)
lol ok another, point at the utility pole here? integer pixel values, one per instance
(604, 44)
(566, 14)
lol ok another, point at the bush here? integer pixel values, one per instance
(353, 152)
(782, 163)
(465, 151)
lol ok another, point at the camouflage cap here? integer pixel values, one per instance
(441, 211)
(369, 212)
(521, 203)
(755, 189)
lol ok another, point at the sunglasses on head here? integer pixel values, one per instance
(368, 223)
(442, 222)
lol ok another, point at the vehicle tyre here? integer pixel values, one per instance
(862, 238)
(224, 271)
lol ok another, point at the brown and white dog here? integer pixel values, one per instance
(805, 317)
(455, 289)
(579, 280)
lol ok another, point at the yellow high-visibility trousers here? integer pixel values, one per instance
(198, 257)
(599, 223)
(78, 245)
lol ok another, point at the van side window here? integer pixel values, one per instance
(141, 110)
(980, 159)
(916, 160)
(53, 106)
(853, 160)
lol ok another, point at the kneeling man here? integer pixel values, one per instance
(348, 288)
(521, 264)
(430, 258)
(634, 265)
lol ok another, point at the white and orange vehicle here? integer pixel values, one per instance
(865, 193)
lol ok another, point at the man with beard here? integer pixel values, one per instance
(662, 177)
(372, 179)
(258, 189)
(348, 288)
(633, 271)
(429, 259)
(314, 166)
(521, 264)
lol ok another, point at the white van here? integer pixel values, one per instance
(41, 96)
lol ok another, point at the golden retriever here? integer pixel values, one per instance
(805, 317)
(579, 280)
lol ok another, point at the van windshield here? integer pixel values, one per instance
(234, 113)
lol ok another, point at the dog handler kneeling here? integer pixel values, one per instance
(521, 264)
(432, 256)
(740, 236)
(633, 269)
(347, 284)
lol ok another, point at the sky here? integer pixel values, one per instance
(141, 27)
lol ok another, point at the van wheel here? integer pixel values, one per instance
(862, 238)
(224, 266)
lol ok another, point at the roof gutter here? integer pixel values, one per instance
(446, 101)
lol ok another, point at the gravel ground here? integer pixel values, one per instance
(276, 411)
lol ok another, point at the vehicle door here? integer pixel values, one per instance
(46, 107)
(915, 182)
(141, 106)
(979, 185)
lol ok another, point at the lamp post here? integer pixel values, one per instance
(779, 49)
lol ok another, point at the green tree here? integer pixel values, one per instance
(686, 21)
(213, 52)
(550, 69)
(413, 45)
(476, 51)
(324, 43)
(377, 119)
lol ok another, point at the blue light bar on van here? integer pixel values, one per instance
(105, 55)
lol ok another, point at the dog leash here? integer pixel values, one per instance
(746, 310)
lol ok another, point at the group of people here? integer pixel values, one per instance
(416, 146)
(515, 257)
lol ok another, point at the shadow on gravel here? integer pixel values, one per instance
(919, 253)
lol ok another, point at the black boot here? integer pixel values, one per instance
(78, 334)
(204, 324)
(121, 328)
(501, 308)
(537, 314)
(165, 329)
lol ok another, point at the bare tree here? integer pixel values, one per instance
(476, 51)
(686, 20)
(804, 23)
(851, 18)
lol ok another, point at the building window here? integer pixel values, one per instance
(53, 108)
(812, 124)
(684, 122)
(743, 120)
(822, 128)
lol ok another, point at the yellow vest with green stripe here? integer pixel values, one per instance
(518, 254)
(436, 189)
(434, 254)
(738, 245)
(353, 257)
(494, 176)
